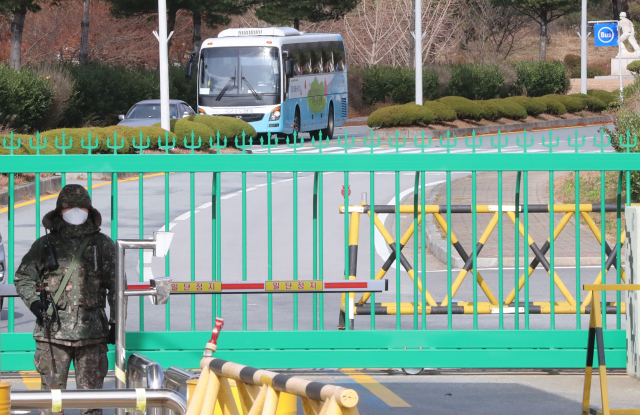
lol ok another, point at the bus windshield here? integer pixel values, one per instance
(237, 76)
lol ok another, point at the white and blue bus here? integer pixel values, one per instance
(277, 79)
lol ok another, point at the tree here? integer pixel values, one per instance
(288, 12)
(619, 6)
(543, 12)
(213, 12)
(84, 37)
(18, 10)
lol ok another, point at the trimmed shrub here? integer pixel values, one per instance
(572, 61)
(401, 115)
(62, 85)
(464, 108)
(227, 126)
(201, 133)
(532, 106)
(553, 106)
(25, 99)
(125, 136)
(475, 81)
(605, 96)
(634, 67)
(536, 79)
(571, 104)
(491, 110)
(510, 109)
(442, 112)
(590, 103)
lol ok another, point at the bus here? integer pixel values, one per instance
(277, 79)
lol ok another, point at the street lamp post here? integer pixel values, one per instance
(163, 40)
(583, 49)
(418, 38)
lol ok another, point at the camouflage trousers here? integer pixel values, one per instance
(90, 362)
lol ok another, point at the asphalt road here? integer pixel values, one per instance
(283, 246)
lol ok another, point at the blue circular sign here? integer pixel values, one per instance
(606, 35)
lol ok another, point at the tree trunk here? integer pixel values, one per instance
(17, 27)
(542, 56)
(84, 37)
(412, 39)
(296, 24)
(171, 24)
(197, 33)
(614, 7)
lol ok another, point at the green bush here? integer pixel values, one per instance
(103, 92)
(627, 121)
(201, 133)
(634, 67)
(605, 96)
(401, 115)
(510, 109)
(536, 79)
(532, 106)
(380, 83)
(25, 99)
(553, 106)
(593, 71)
(572, 61)
(125, 137)
(464, 108)
(491, 110)
(227, 126)
(571, 104)
(590, 103)
(442, 112)
(475, 81)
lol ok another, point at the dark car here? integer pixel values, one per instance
(147, 113)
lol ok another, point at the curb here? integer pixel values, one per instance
(438, 247)
(27, 191)
(506, 128)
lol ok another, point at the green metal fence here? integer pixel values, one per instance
(363, 345)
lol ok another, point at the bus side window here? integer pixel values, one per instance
(316, 57)
(338, 56)
(327, 57)
(305, 58)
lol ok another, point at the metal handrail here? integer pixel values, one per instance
(140, 367)
(98, 399)
(176, 379)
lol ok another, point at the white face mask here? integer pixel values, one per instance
(75, 216)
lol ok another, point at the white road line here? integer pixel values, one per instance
(206, 205)
(184, 216)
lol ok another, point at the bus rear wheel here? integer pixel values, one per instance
(327, 133)
(296, 123)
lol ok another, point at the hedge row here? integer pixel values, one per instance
(94, 94)
(203, 128)
(377, 84)
(515, 108)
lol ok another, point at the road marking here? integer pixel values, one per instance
(31, 379)
(184, 216)
(385, 394)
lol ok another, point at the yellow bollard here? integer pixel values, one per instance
(5, 398)
(287, 403)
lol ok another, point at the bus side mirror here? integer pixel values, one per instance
(189, 68)
(288, 67)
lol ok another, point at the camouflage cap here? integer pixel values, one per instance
(73, 195)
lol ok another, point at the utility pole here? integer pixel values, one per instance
(583, 49)
(418, 38)
(163, 40)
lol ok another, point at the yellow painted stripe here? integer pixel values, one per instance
(31, 379)
(385, 394)
(31, 202)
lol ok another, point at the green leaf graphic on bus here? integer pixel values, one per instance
(316, 99)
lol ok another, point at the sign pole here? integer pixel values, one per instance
(163, 64)
(583, 49)
(620, 63)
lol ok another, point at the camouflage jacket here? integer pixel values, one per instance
(82, 305)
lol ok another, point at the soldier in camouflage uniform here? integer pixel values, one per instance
(83, 332)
